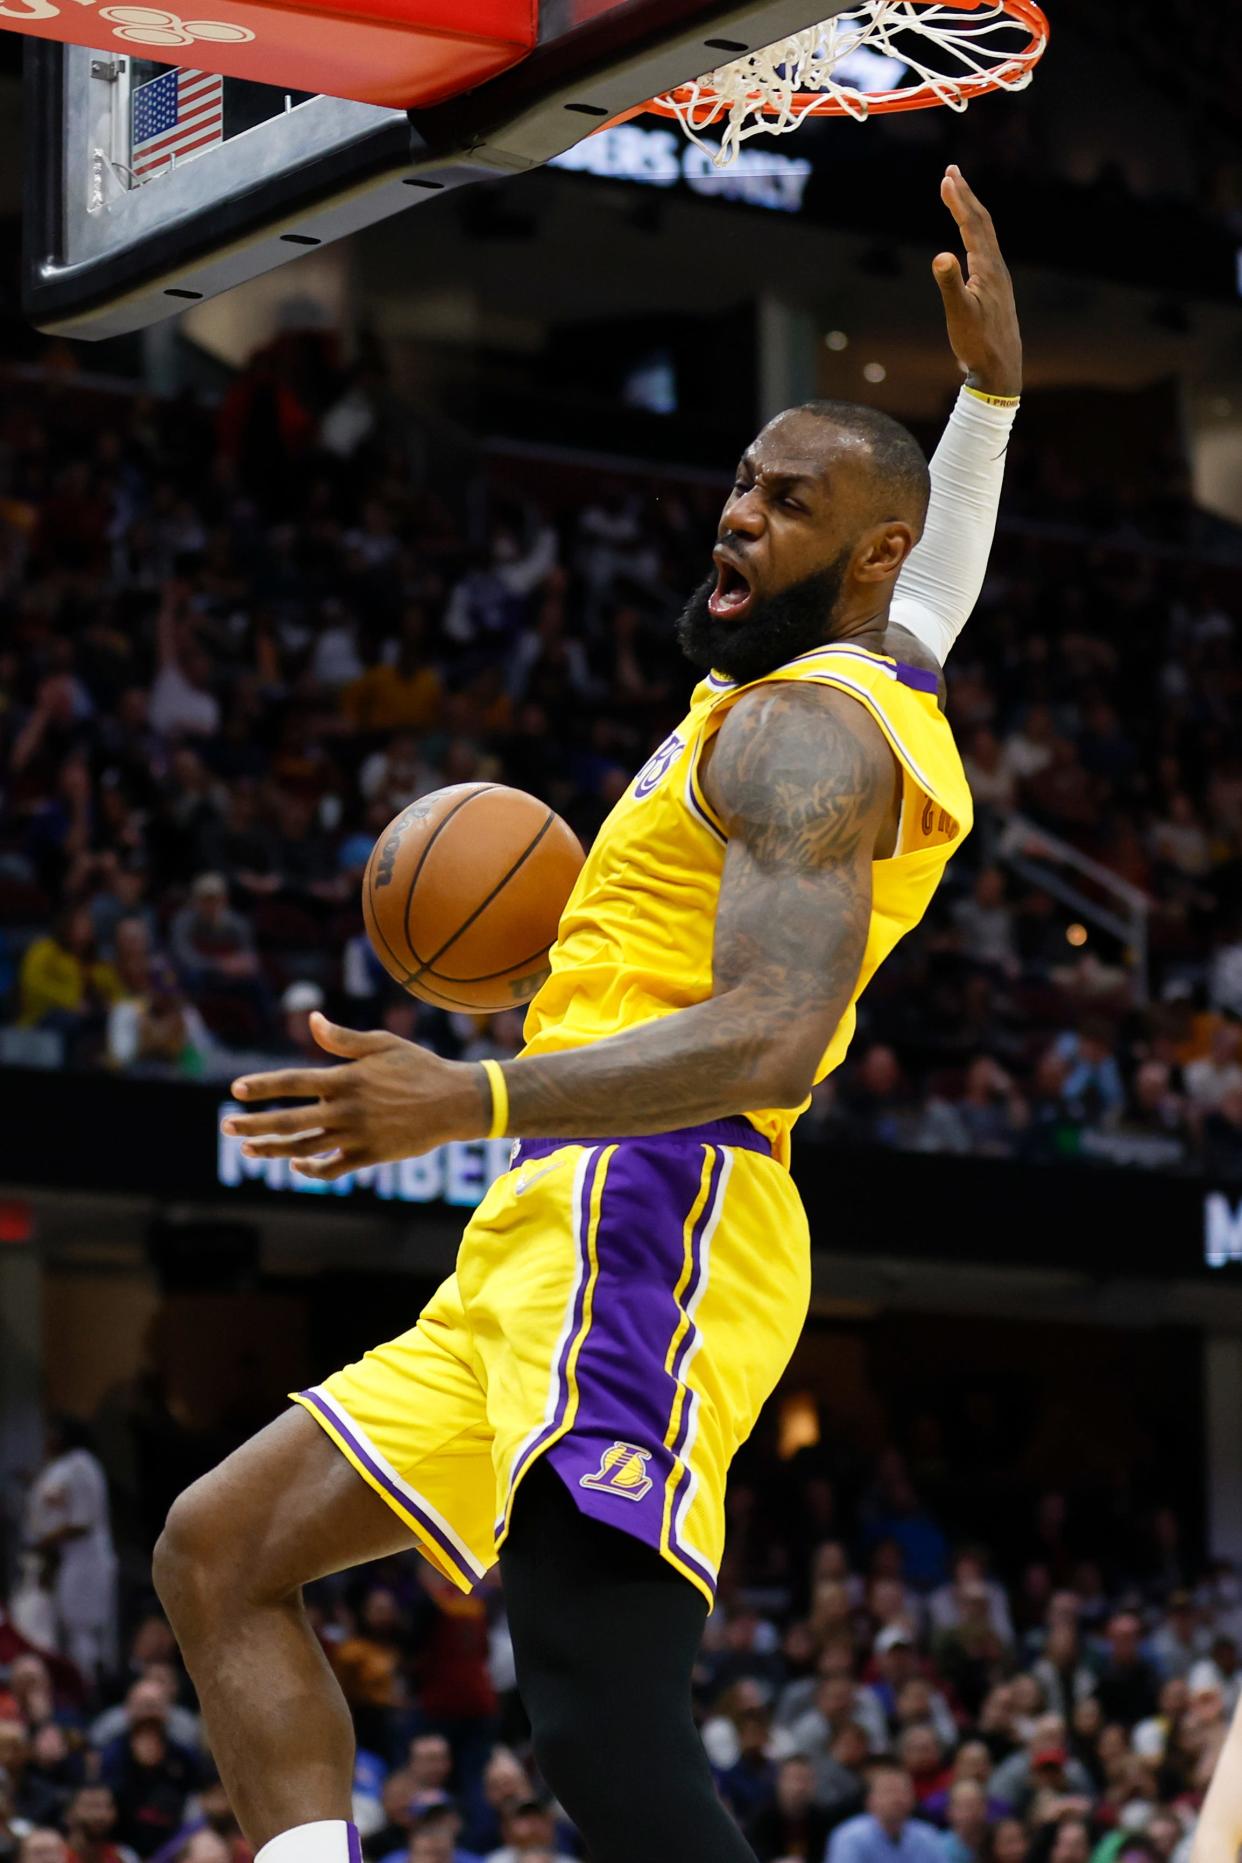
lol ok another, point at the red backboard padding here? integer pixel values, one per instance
(400, 53)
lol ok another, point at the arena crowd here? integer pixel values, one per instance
(238, 637)
(868, 1684)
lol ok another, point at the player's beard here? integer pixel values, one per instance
(777, 629)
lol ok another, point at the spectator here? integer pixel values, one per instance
(67, 1526)
(896, 1663)
(1213, 1075)
(435, 1830)
(883, 1109)
(992, 1112)
(182, 701)
(42, 1846)
(30, 1690)
(1222, 1136)
(118, 896)
(205, 1846)
(922, 1758)
(950, 1604)
(11, 1829)
(722, 1732)
(839, 1765)
(155, 1030)
(65, 985)
(151, 1697)
(991, 775)
(241, 843)
(212, 944)
(486, 607)
(791, 1824)
(1224, 1665)
(1180, 841)
(212, 1819)
(31, 1800)
(1044, 1752)
(1029, 750)
(750, 1782)
(1178, 1643)
(1155, 1112)
(1127, 1687)
(428, 1769)
(887, 1829)
(90, 1821)
(1093, 1087)
(820, 1708)
(299, 1002)
(505, 1783)
(369, 1665)
(152, 1778)
(53, 1763)
(1007, 1842)
(1071, 1841)
(966, 1838)
(973, 1763)
(985, 922)
(530, 1835)
(401, 692)
(896, 1513)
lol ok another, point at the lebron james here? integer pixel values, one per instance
(629, 1292)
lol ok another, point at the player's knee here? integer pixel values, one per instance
(195, 1567)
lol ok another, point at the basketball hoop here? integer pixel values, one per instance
(956, 52)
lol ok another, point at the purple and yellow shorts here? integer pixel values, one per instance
(622, 1306)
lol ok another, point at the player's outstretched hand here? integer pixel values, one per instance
(979, 307)
(391, 1099)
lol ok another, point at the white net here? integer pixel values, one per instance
(946, 55)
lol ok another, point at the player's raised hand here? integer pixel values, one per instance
(979, 306)
(391, 1099)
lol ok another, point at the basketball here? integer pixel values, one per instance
(463, 893)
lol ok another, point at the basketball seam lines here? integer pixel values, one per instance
(492, 975)
(432, 838)
(369, 902)
(428, 964)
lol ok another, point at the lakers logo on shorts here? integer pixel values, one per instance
(622, 1471)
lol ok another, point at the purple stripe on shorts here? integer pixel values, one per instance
(732, 1131)
(582, 1239)
(917, 677)
(625, 1393)
(405, 1501)
(354, 1842)
(684, 1351)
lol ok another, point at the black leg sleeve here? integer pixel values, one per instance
(605, 1634)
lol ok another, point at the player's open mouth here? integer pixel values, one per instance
(732, 596)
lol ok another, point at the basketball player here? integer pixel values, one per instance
(1218, 1834)
(628, 1294)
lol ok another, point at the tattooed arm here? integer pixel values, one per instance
(803, 781)
(806, 786)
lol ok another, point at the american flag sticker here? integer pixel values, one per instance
(177, 114)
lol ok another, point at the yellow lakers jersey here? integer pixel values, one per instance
(635, 939)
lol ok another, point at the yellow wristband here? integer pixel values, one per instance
(993, 401)
(500, 1098)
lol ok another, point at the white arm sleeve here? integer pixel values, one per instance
(941, 578)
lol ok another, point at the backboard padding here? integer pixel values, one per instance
(96, 267)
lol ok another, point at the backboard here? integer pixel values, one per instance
(147, 191)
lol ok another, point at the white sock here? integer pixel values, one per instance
(328, 1840)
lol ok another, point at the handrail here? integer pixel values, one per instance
(1036, 853)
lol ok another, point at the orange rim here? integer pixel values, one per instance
(1012, 70)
